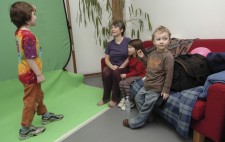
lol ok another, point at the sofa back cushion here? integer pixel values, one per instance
(147, 44)
(215, 45)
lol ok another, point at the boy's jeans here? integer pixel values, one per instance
(145, 101)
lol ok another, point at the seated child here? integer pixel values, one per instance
(136, 71)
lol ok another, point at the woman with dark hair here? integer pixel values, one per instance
(116, 60)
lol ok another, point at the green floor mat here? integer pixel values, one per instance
(64, 93)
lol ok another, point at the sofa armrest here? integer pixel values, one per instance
(213, 124)
(216, 99)
(215, 108)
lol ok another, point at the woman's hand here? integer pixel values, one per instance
(140, 53)
(115, 67)
(109, 64)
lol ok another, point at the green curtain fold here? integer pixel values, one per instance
(51, 30)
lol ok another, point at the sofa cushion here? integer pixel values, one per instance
(204, 51)
(215, 45)
(199, 110)
(147, 44)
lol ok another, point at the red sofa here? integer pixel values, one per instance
(208, 117)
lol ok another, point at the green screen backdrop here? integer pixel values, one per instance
(51, 30)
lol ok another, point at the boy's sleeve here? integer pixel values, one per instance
(29, 46)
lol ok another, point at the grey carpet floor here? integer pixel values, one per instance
(108, 127)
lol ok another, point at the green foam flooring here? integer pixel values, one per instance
(65, 93)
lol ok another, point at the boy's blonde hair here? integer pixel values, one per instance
(161, 29)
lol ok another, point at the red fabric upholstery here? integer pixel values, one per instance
(147, 44)
(215, 45)
(199, 110)
(213, 123)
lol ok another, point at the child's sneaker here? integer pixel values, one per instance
(122, 102)
(33, 131)
(123, 107)
(52, 117)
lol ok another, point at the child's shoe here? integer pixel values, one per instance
(126, 123)
(51, 118)
(122, 102)
(123, 107)
(33, 131)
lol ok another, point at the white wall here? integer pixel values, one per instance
(184, 18)
(88, 53)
